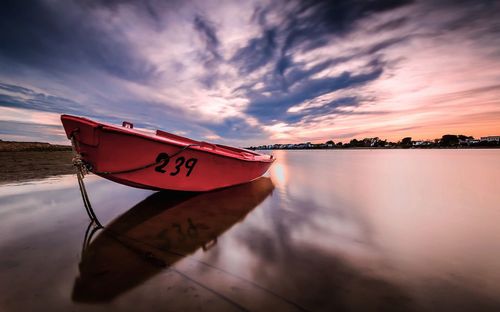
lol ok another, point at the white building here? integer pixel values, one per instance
(491, 138)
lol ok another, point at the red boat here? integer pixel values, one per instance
(162, 160)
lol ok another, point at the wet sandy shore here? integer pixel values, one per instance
(19, 166)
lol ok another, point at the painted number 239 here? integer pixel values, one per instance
(163, 159)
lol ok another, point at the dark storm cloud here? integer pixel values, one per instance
(150, 8)
(21, 97)
(308, 25)
(314, 21)
(323, 110)
(479, 17)
(295, 74)
(236, 127)
(55, 38)
(258, 52)
(208, 34)
(154, 118)
(16, 89)
(210, 56)
(391, 24)
(272, 108)
(47, 133)
(385, 44)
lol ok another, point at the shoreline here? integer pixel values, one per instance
(25, 165)
(25, 161)
(376, 148)
(13, 146)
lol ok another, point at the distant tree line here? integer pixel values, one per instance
(446, 141)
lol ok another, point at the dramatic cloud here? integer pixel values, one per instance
(252, 72)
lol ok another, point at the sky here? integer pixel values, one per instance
(252, 72)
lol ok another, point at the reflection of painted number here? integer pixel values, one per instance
(163, 159)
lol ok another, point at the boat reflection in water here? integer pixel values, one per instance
(158, 232)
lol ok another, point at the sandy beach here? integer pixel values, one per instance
(21, 161)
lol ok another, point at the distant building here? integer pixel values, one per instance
(421, 143)
(468, 141)
(492, 138)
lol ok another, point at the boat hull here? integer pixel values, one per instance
(175, 163)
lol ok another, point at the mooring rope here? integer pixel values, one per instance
(157, 162)
(81, 170)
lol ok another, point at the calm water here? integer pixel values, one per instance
(355, 230)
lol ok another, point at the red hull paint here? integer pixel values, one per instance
(199, 167)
